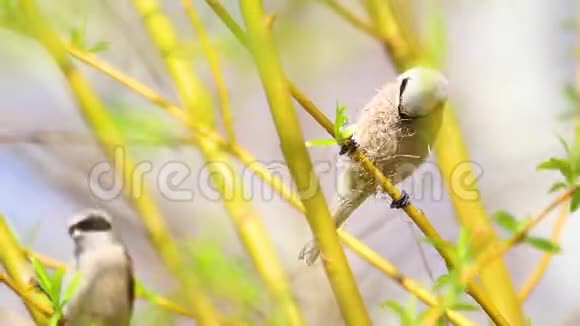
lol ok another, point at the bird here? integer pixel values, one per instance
(395, 131)
(105, 293)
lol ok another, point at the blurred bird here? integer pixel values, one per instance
(105, 293)
(395, 131)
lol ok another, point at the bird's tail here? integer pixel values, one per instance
(340, 213)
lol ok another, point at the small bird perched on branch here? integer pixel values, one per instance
(395, 131)
(105, 293)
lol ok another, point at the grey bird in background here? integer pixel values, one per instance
(105, 293)
(395, 131)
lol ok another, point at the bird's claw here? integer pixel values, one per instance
(405, 200)
(309, 253)
(348, 146)
(306, 250)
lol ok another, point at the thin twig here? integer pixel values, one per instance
(355, 21)
(214, 64)
(536, 276)
(498, 249)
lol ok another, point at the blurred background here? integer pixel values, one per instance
(508, 63)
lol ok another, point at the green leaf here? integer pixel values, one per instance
(557, 186)
(554, 163)
(506, 221)
(71, 287)
(543, 244)
(77, 38)
(42, 276)
(464, 306)
(99, 47)
(320, 142)
(442, 281)
(406, 314)
(572, 94)
(340, 121)
(463, 248)
(575, 201)
(564, 144)
(561, 165)
(56, 281)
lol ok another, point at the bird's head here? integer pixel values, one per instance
(421, 92)
(91, 227)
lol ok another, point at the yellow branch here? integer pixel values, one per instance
(27, 296)
(103, 126)
(292, 142)
(21, 276)
(198, 104)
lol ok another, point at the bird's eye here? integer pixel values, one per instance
(402, 88)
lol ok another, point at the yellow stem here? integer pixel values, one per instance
(292, 142)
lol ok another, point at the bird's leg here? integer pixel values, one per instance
(349, 146)
(401, 202)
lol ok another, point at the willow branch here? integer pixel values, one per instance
(215, 68)
(26, 296)
(20, 276)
